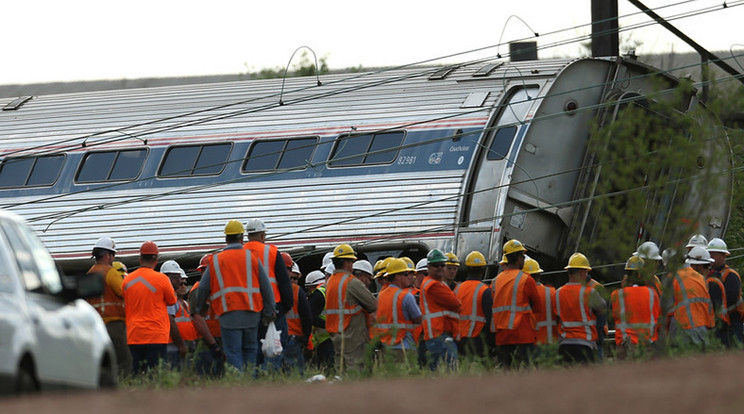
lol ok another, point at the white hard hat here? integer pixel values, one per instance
(718, 245)
(171, 267)
(183, 274)
(698, 255)
(105, 243)
(326, 260)
(316, 277)
(697, 240)
(295, 268)
(364, 266)
(330, 269)
(255, 226)
(648, 250)
(422, 265)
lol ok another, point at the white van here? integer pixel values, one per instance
(50, 338)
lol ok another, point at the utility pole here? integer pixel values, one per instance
(604, 28)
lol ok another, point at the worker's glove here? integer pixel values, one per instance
(266, 319)
(216, 350)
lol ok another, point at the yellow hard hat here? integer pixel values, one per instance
(578, 261)
(409, 263)
(397, 266)
(378, 266)
(634, 263)
(531, 266)
(513, 246)
(475, 259)
(344, 251)
(452, 259)
(234, 227)
(119, 266)
(503, 260)
(383, 267)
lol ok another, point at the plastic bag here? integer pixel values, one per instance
(271, 346)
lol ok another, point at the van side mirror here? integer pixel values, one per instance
(83, 286)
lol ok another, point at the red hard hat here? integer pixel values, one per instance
(203, 262)
(149, 247)
(287, 259)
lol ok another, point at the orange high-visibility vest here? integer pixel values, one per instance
(437, 320)
(725, 273)
(234, 281)
(294, 324)
(183, 322)
(472, 318)
(545, 320)
(636, 311)
(147, 295)
(722, 312)
(510, 303)
(392, 326)
(213, 323)
(109, 305)
(577, 320)
(692, 305)
(338, 312)
(267, 255)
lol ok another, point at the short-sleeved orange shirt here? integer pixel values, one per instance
(147, 294)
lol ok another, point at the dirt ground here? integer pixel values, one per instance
(702, 384)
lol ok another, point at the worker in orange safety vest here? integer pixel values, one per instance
(348, 302)
(397, 312)
(299, 321)
(581, 313)
(636, 310)
(110, 305)
(693, 309)
(475, 313)
(147, 295)
(441, 314)
(515, 302)
(732, 285)
(546, 321)
(241, 296)
(179, 314)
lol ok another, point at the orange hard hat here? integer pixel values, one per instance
(203, 262)
(149, 247)
(288, 262)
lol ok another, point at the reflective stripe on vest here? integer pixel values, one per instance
(396, 324)
(513, 308)
(585, 322)
(249, 291)
(140, 279)
(342, 311)
(548, 323)
(623, 326)
(686, 302)
(428, 316)
(473, 317)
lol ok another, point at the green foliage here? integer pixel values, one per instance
(305, 66)
(661, 172)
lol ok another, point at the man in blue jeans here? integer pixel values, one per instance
(240, 294)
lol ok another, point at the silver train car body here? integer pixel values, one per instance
(460, 158)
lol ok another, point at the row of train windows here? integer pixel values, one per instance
(202, 159)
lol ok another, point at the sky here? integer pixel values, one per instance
(47, 41)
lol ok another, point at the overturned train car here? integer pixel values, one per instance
(460, 158)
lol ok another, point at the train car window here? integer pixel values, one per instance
(365, 149)
(298, 152)
(269, 155)
(31, 171)
(501, 143)
(195, 160)
(111, 165)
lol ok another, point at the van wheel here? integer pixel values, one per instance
(107, 378)
(26, 382)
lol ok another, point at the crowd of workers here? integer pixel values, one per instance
(402, 310)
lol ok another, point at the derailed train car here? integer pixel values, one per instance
(460, 158)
